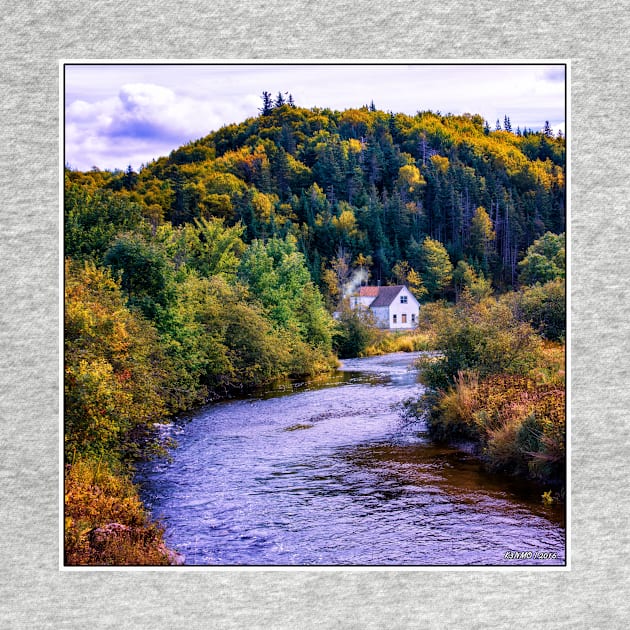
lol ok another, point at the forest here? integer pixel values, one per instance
(218, 268)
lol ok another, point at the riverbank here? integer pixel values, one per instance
(501, 385)
(129, 365)
(105, 521)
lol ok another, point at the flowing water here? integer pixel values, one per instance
(332, 473)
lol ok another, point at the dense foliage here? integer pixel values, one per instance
(218, 267)
(497, 383)
(369, 184)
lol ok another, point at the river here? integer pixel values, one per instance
(332, 473)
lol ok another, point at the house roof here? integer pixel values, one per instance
(368, 291)
(386, 295)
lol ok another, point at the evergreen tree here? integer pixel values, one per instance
(267, 106)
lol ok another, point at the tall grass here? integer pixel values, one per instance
(407, 341)
(518, 422)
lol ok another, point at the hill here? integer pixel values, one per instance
(361, 183)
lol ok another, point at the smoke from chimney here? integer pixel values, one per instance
(356, 280)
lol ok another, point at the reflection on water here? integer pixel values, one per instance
(331, 473)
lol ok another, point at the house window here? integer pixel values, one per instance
(403, 299)
(394, 318)
(403, 318)
(413, 318)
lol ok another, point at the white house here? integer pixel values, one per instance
(393, 307)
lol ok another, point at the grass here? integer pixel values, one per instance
(400, 341)
(518, 421)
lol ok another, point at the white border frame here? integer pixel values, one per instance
(313, 62)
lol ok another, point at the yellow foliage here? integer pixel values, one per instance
(410, 178)
(113, 374)
(263, 204)
(441, 163)
(354, 146)
(96, 497)
(346, 222)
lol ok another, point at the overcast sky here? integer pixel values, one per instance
(116, 115)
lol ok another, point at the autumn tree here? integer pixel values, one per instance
(482, 236)
(114, 367)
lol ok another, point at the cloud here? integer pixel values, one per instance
(143, 121)
(555, 74)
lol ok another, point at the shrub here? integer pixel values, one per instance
(544, 307)
(355, 332)
(485, 337)
(453, 416)
(105, 522)
(519, 423)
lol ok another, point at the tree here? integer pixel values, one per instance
(92, 221)
(400, 271)
(341, 267)
(214, 248)
(415, 285)
(410, 181)
(355, 331)
(145, 274)
(364, 263)
(470, 285)
(482, 236)
(544, 307)
(267, 106)
(436, 268)
(114, 369)
(544, 260)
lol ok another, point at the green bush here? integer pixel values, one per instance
(355, 331)
(485, 337)
(544, 307)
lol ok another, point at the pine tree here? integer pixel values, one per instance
(265, 110)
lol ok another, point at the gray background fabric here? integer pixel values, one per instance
(33, 593)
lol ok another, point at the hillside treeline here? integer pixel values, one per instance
(362, 185)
